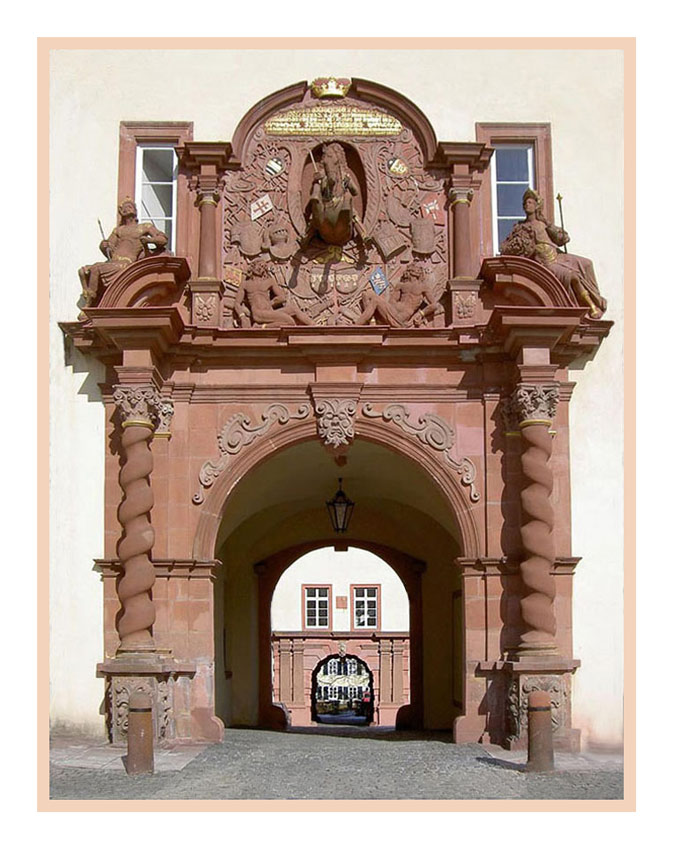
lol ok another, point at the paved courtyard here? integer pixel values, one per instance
(337, 763)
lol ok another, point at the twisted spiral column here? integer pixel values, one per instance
(536, 406)
(137, 406)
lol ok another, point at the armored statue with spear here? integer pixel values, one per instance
(128, 242)
(539, 240)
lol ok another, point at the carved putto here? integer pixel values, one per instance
(128, 242)
(536, 239)
(260, 300)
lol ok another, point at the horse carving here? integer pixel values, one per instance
(331, 204)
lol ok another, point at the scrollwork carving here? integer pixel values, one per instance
(238, 432)
(435, 432)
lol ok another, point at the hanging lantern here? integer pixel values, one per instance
(340, 508)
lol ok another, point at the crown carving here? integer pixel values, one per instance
(330, 86)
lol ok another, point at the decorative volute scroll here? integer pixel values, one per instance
(238, 432)
(434, 432)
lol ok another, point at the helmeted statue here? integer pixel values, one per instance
(537, 239)
(128, 242)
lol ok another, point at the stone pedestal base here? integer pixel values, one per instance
(153, 674)
(543, 673)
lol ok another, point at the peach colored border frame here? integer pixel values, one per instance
(628, 47)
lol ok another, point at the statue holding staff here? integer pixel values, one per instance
(128, 242)
(537, 239)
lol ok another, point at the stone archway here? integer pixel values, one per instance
(407, 568)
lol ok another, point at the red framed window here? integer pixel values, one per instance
(522, 158)
(365, 606)
(317, 606)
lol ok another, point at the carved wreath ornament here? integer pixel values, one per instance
(336, 427)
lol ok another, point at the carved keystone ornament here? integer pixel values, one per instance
(336, 420)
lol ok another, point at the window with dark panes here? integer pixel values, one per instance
(317, 607)
(365, 607)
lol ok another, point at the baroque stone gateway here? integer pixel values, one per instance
(329, 302)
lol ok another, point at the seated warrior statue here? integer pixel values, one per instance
(266, 303)
(128, 242)
(404, 306)
(333, 191)
(536, 239)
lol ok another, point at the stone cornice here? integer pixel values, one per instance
(162, 329)
(510, 566)
(164, 568)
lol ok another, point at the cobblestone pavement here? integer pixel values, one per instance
(336, 764)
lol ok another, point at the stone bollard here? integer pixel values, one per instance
(140, 745)
(541, 756)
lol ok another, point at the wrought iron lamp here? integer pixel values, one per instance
(340, 508)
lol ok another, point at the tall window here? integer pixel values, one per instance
(317, 607)
(365, 607)
(522, 158)
(149, 173)
(512, 173)
(156, 185)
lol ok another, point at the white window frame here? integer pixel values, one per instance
(366, 598)
(529, 147)
(140, 149)
(315, 598)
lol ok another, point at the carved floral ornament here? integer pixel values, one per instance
(535, 402)
(143, 406)
(336, 427)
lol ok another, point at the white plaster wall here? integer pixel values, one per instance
(341, 570)
(579, 92)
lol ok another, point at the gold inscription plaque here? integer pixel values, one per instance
(333, 121)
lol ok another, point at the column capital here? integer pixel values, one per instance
(534, 404)
(138, 405)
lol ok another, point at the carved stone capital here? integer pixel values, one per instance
(165, 411)
(137, 405)
(535, 402)
(336, 417)
(510, 419)
(460, 195)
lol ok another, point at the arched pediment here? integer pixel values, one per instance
(360, 93)
(523, 282)
(152, 281)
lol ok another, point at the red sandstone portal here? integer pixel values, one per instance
(240, 371)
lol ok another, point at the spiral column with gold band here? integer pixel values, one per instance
(459, 202)
(536, 406)
(137, 406)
